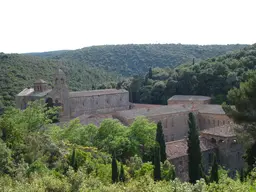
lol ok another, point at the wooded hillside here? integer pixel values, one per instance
(212, 77)
(129, 60)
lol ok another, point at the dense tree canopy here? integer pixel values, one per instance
(129, 60)
(212, 77)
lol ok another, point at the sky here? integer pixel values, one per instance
(47, 25)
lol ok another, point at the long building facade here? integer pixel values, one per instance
(74, 104)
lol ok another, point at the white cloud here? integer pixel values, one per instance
(44, 25)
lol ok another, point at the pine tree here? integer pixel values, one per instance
(73, 160)
(114, 169)
(194, 151)
(150, 73)
(157, 166)
(160, 140)
(214, 171)
(122, 176)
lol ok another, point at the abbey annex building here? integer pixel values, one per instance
(216, 129)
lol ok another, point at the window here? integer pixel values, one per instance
(223, 122)
(209, 122)
(218, 122)
(172, 137)
(172, 122)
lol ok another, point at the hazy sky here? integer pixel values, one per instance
(45, 25)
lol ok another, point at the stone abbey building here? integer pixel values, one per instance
(74, 104)
(216, 129)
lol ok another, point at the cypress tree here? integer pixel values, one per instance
(157, 166)
(160, 140)
(114, 169)
(194, 151)
(242, 175)
(214, 171)
(150, 74)
(73, 160)
(122, 176)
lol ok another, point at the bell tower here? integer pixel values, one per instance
(60, 93)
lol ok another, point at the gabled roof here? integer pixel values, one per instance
(211, 109)
(96, 92)
(26, 92)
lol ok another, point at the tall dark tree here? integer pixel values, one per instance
(122, 176)
(250, 157)
(74, 160)
(160, 140)
(114, 169)
(194, 151)
(214, 171)
(150, 73)
(156, 163)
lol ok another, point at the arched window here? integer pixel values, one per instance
(213, 140)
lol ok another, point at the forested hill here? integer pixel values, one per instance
(212, 77)
(132, 59)
(19, 71)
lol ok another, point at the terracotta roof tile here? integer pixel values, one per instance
(179, 148)
(153, 111)
(226, 130)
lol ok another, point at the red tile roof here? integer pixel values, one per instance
(179, 148)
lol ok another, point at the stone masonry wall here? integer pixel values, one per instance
(98, 104)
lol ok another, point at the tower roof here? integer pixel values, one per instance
(40, 81)
(60, 72)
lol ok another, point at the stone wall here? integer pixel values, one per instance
(230, 152)
(104, 103)
(206, 121)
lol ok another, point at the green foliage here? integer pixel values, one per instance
(50, 158)
(134, 59)
(168, 171)
(194, 151)
(161, 142)
(142, 137)
(212, 77)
